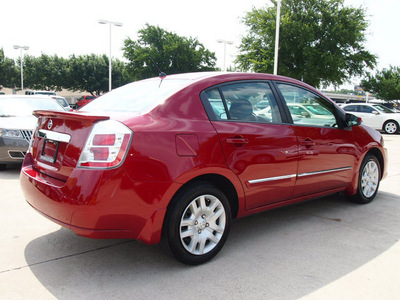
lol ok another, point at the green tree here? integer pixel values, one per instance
(321, 41)
(44, 72)
(169, 52)
(8, 72)
(386, 83)
(90, 73)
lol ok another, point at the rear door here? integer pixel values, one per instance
(326, 152)
(259, 148)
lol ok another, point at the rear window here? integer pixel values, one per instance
(139, 97)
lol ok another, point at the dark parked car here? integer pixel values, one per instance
(17, 124)
(174, 160)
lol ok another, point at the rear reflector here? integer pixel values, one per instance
(106, 146)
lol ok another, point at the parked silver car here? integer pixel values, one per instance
(17, 124)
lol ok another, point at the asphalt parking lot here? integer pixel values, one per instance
(327, 248)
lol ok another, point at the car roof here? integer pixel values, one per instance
(223, 77)
(204, 75)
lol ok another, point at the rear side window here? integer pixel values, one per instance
(243, 102)
(307, 108)
(350, 108)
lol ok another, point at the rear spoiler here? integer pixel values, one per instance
(69, 115)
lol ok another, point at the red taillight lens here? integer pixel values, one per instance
(104, 140)
(106, 146)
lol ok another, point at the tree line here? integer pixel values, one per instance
(321, 43)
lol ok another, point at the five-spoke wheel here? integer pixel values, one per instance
(391, 127)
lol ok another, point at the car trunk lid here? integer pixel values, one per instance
(59, 140)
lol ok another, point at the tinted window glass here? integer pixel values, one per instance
(307, 108)
(217, 104)
(350, 108)
(366, 109)
(383, 109)
(245, 102)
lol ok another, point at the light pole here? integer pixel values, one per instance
(278, 21)
(109, 61)
(224, 42)
(22, 72)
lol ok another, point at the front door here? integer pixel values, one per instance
(326, 152)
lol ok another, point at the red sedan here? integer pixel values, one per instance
(82, 101)
(175, 159)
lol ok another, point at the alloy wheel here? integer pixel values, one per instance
(370, 179)
(390, 127)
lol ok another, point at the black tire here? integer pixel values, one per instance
(368, 180)
(3, 166)
(391, 127)
(196, 224)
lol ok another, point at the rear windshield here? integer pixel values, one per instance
(22, 107)
(138, 97)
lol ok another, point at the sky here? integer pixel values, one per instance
(71, 27)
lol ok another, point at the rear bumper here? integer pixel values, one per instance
(98, 204)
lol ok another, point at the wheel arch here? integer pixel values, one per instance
(220, 182)
(380, 157)
(378, 154)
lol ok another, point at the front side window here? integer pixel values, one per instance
(367, 109)
(244, 102)
(383, 109)
(307, 108)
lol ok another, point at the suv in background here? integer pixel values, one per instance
(84, 100)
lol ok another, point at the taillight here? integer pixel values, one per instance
(106, 146)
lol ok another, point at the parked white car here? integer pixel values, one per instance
(375, 116)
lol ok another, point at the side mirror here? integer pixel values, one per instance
(374, 112)
(352, 120)
(305, 114)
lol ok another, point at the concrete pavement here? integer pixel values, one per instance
(322, 249)
(380, 277)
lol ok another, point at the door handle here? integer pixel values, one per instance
(307, 143)
(237, 141)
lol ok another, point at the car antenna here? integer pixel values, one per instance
(161, 74)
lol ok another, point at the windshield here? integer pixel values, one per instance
(139, 97)
(22, 107)
(384, 109)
